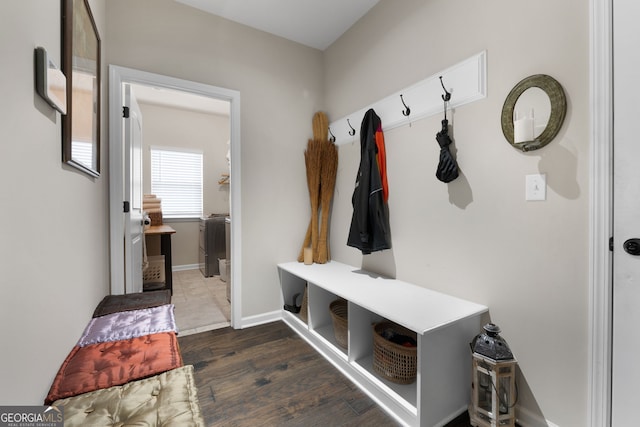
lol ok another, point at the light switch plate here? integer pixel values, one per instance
(536, 187)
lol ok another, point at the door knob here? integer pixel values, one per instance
(632, 247)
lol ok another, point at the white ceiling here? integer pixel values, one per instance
(314, 23)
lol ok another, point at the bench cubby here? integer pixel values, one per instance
(445, 325)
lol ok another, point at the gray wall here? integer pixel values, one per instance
(477, 237)
(54, 250)
(280, 84)
(164, 126)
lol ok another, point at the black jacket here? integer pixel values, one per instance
(370, 222)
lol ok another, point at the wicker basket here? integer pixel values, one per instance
(339, 314)
(392, 361)
(154, 273)
(304, 307)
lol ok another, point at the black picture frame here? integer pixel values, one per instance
(81, 66)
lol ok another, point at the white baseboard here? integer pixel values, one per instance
(526, 418)
(260, 319)
(185, 267)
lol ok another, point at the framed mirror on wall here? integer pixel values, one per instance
(533, 112)
(81, 65)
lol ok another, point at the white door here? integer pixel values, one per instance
(626, 214)
(134, 231)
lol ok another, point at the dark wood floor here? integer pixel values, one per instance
(268, 376)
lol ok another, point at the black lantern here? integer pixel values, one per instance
(493, 382)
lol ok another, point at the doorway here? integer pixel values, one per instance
(119, 76)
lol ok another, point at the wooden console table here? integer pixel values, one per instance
(165, 232)
(445, 325)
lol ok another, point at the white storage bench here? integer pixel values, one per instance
(445, 326)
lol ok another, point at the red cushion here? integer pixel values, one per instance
(108, 364)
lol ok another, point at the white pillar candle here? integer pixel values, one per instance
(523, 129)
(308, 256)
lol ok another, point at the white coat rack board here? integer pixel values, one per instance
(466, 81)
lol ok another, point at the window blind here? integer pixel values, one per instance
(82, 152)
(176, 178)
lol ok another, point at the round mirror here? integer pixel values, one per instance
(533, 112)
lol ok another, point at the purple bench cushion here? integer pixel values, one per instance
(129, 324)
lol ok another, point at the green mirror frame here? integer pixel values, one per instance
(558, 101)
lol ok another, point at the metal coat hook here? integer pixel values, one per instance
(407, 110)
(333, 137)
(446, 97)
(352, 131)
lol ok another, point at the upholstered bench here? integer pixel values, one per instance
(169, 399)
(126, 369)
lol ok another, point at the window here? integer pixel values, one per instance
(176, 178)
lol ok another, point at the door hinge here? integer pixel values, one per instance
(611, 244)
(125, 206)
(125, 112)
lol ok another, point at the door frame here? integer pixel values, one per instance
(600, 212)
(133, 221)
(119, 75)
